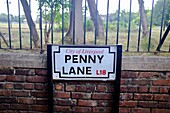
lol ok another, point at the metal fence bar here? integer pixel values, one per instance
(73, 14)
(19, 21)
(85, 14)
(9, 26)
(41, 39)
(140, 22)
(96, 29)
(107, 19)
(30, 26)
(52, 16)
(63, 5)
(150, 32)
(163, 12)
(129, 25)
(118, 21)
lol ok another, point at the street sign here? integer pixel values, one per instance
(84, 62)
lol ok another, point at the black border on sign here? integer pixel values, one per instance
(83, 46)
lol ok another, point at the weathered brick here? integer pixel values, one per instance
(39, 86)
(42, 101)
(128, 74)
(143, 89)
(125, 81)
(63, 109)
(89, 103)
(90, 88)
(148, 104)
(20, 93)
(161, 82)
(141, 82)
(162, 97)
(5, 93)
(8, 100)
(2, 78)
(42, 72)
(126, 96)
(80, 88)
(128, 103)
(23, 100)
(78, 109)
(24, 72)
(80, 95)
(8, 85)
(70, 88)
(140, 110)
(154, 89)
(151, 75)
(1, 86)
(124, 110)
(28, 86)
(160, 110)
(143, 97)
(4, 106)
(19, 107)
(66, 102)
(18, 86)
(36, 79)
(105, 103)
(7, 71)
(164, 105)
(103, 96)
(38, 108)
(102, 110)
(59, 87)
(101, 88)
(60, 94)
(14, 78)
(164, 89)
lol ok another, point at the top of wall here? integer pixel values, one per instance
(134, 63)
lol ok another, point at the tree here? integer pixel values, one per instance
(30, 22)
(143, 18)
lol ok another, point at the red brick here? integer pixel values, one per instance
(164, 89)
(63, 109)
(101, 88)
(123, 89)
(125, 81)
(161, 82)
(90, 88)
(126, 96)
(128, 103)
(128, 74)
(89, 103)
(162, 97)
(80, 88)
(8, 100)
(143, 89)
(147, 104)
(124, 110)
(18, 86)
(77, 109)
(164, 105)
(160, 110)
(39, 94)
(17, 78)
(24, 72)
(38, 107)
(151, 75)
(102, 110)
(39, 86)
(4, 106)
(80, 95)
(19, 107)
(103, 96)
(36, 79)
(70, 88)
(42, 72)
(143, 97)
(2, 78)
(141, 82)
(105, 103)
(20, 93)
(28, 86)
(62, 94)
(24, 100)
(8, 85)
(59, 87)
(66, 102)
(41, 101)
(6, 93)
(154, 89)
(140, 110)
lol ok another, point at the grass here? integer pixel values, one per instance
(89, 38)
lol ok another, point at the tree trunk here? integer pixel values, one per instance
(78, 24)
(96, 20)
(30, 22)
(144, 19)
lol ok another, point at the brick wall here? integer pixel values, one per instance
(145, 87)
(25, 91)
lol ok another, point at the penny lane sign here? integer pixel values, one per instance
(84, 62)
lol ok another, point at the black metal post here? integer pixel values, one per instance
(96, 29)
(129, 26)
(41, 39)
(140, 22)
(19, 21)
(30, 26)
(85, 22)
(73, 12)
(9, 27)
(107, 19)
(118, 21)
(63, 21)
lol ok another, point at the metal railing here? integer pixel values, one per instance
(21, 36)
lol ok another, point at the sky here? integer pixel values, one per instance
(102, 6)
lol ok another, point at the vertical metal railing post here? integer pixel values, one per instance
(140, 22)
(107, 19)
(30, 26)
(73, 12)
(9, 27)
(118, 22)
(129, 25)
(63, 5)
(19, 21)
(41, 39)
(85, 12)
(96, 29)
